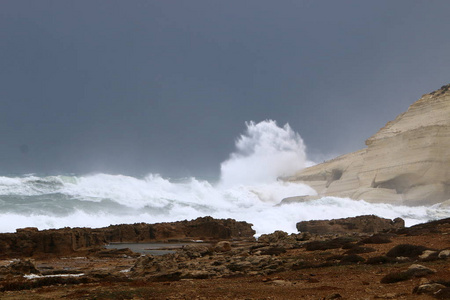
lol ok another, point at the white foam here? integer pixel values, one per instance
(263, 153)
(265, 217)
(35, 276)
(248, 191)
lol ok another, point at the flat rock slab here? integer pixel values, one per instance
(360, 224)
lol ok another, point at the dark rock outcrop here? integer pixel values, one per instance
(406, 250)
(19, 267)
(360, 224)
(28, 242)
(283, 239)
(411, 272)
(184, 265)
(205, 228)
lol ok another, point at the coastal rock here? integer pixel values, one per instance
(194, 251)
(305, 271)
(200, 263)
(155, 265)
(216, 229)
(406, 250)
(222, 246)
(262, 257)
(19, 267)
(204, 228)
(414, 270)
(29, 242)
(272, 250)
(284, 240)
(327, 243)
(417, 270)
(360, 224)
(245, 272)
(379, 238)
(429, 288)
(444, 254)
(274, 237)
(406, 162)
(428, 255)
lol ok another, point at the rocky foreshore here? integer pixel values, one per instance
(365, 257)
(30, 242)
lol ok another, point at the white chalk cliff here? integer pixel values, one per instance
(406, 162)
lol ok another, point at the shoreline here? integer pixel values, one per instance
(349, 265)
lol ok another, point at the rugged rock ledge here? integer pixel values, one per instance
(405, 263)
(406, 162)
(360, 224)
(29, 242)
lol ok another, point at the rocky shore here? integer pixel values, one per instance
(30, 242)
(365, 257)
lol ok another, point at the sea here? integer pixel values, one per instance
(250, 188)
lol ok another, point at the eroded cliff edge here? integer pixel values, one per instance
(406, 162)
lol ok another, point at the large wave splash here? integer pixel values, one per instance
(248, 190)
(264, 153)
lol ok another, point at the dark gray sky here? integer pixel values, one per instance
(135, 87)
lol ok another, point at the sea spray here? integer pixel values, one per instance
(248, 190)
(264, 153)
(265, 217)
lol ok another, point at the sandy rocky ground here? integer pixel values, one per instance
(409, 263)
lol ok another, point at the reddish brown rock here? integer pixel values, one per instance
(27, 243)
(244, 272)
(19, 267)
(30, 242)
(360, 224)
(205, 228)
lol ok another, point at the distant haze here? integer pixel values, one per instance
(138, 87)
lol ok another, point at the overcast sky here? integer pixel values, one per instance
(166, 87)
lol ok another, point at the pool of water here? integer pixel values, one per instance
(148, 248)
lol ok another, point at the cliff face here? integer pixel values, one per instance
(406, 162)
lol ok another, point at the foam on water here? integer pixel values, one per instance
(248, 190)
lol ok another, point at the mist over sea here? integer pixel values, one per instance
(248, 190)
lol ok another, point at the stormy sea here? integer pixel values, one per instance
(249, 189)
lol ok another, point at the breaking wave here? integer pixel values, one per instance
(248, 190)
(264, 153)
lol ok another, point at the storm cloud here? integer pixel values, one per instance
(137, 87)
